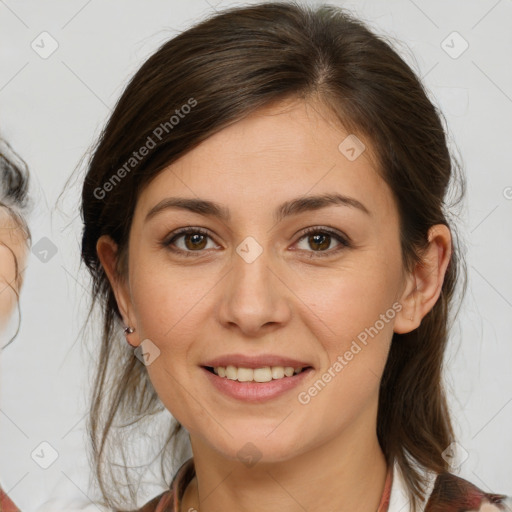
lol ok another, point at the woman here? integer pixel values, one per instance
(15, 241)
(14, 233)
(14, 245)
(264, 218)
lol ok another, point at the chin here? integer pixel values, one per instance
(257, 447)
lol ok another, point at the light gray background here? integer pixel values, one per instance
(54, 108)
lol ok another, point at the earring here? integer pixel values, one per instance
(129, 330)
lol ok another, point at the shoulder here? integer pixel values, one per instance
(453, 493)
(6, 505)
(446, 492)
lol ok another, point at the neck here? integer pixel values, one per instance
(345, 473)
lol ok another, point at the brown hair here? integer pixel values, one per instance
(228, 66)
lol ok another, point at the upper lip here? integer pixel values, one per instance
(244, 361)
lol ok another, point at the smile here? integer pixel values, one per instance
(264, 374)
(255, 385)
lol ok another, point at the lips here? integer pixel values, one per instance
(253, 391)
(244, 361)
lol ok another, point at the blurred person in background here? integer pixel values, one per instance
(15, 241)
(14, 246)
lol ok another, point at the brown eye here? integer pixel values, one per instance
(320, 240)
(194, 241)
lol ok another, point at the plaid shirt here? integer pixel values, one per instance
(447, 493)
(6, 505)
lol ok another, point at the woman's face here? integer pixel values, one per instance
(13, 247)
(255, 291)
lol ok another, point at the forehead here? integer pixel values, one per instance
(279, 152)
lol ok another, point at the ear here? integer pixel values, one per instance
(108, 255)
(423, 286)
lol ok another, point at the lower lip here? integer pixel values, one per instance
(256, 391)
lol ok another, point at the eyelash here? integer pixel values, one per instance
(344, 241)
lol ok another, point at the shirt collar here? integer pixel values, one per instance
(398, 501)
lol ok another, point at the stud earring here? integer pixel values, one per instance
(129, 330)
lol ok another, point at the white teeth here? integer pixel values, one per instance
(245, 374)
(264, 374)
(231, 372)
(277, 372)
(288, 371)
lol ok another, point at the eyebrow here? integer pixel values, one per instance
(286, 209)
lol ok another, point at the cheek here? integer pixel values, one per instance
(355, 341)
(8, 297)
(345, 302)
(166, 301)
(167, 306)
(351, 314)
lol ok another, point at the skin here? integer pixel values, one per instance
(323, 455)
(13, 246)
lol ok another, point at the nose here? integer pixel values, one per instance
(254, 299)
